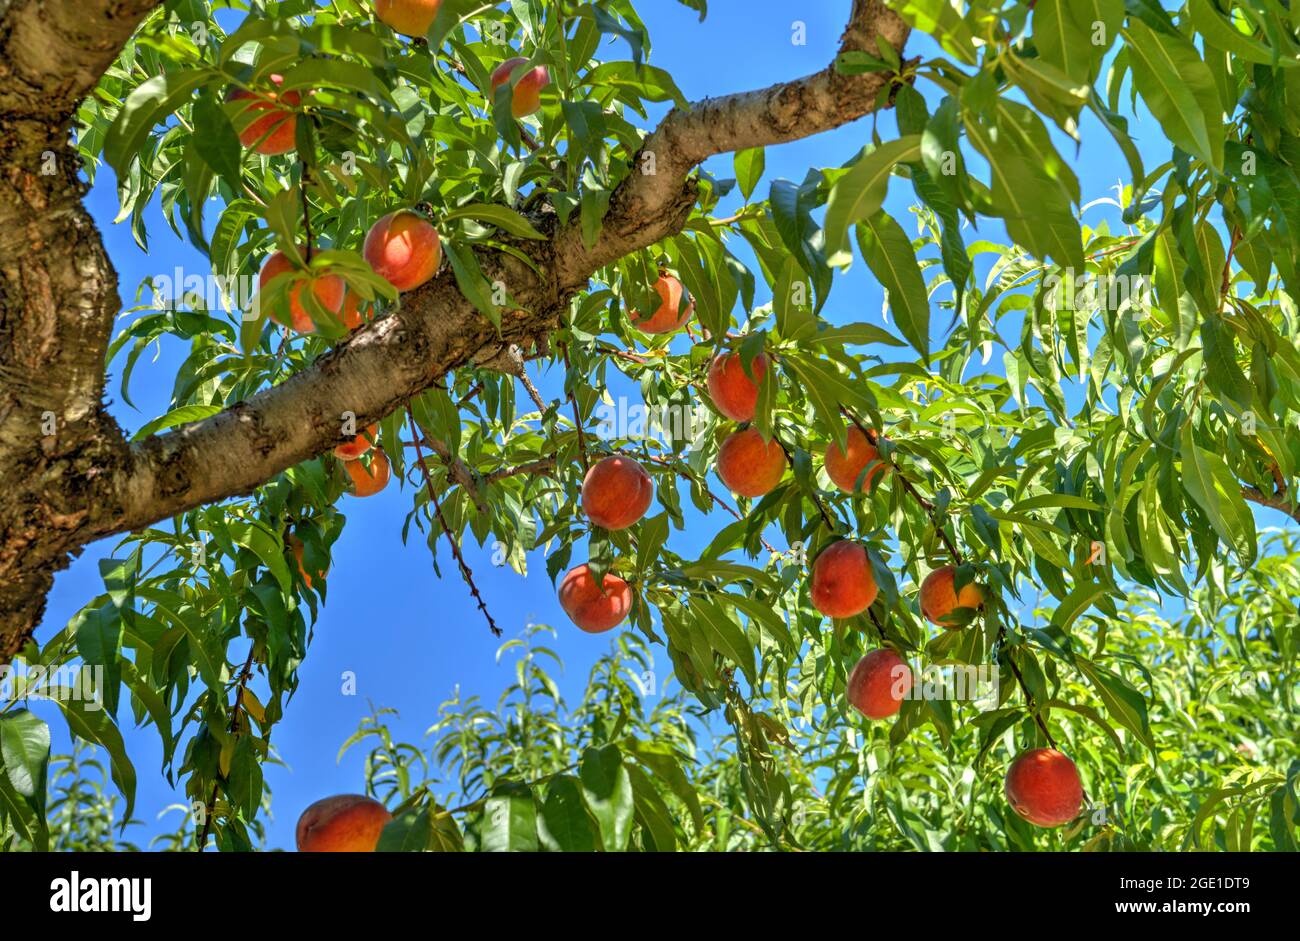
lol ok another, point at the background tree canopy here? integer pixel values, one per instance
(1080, 407)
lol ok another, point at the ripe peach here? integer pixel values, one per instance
(346, 823)
(843, 584)
(273, 132)
(527, 95)
(734, 393)
(879, 683)
(404, 248)
(329, 290)
(749, 466)
(1043, 786)
(295, 545)
(844, 468)
(408, 17)
(587, 607)
(939, 597)
(616, 492)
(368, 481)
(669, 316)
(358, 446)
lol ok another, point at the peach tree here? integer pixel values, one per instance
(412, 210)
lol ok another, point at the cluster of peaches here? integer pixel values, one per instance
(617, 492)
(1043, 785)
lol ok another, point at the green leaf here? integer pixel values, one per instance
(829, 389)
(645, 81)
(792, 302)
(206, 659)
(25, 749)
(659, 758)
(592, 209)
(652, 535)
(1078, 601)
(503, 217)
(889, 254)
(88, 721)
(1179, 89)
(25, 819)
(656, 820)
(1032, 188)
(333, 72)
(1123, 703)
(153, 704)
(268, 549)
(1221, 34)
(1050, 90)
(566, 823)
(99, 641)
(942, 20)
(791, 207)
(1055, 500)
(768, 619)
(749, 166)
(859, 193)
(853, 334)
(1063, 41)
(1117, 125)
(215, 140)
(857, 62)
(472, 283)
(1223, 372)
(177, 416)
(151, 102)
(408, 832)
(725, 636)
(608, 790)
(510, 821)
(1210, 483)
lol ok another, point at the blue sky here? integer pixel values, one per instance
(409, 637)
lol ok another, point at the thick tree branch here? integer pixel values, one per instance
(58, 296)
(117, 488)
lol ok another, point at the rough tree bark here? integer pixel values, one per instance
(58, 297)
(77, 479)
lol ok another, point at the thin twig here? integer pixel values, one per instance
(1024, 689)
(531, 389)
(474, 390)
(306, 211)
(512, 363)
(1227, 266)
(465, 572)
(821, 508)
(880, 628)
(245, 674)
(544, 465)
(459, 471)
(631, 356)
